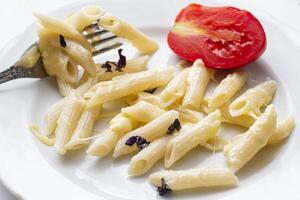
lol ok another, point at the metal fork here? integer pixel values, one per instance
(30, 65)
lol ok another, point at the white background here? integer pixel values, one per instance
(15, 15)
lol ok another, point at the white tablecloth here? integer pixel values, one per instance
(16, 15)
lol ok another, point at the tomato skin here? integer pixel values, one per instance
(223, 37)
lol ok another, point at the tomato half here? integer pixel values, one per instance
(223, 37)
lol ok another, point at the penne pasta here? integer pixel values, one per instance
(198, 79)
(83, 128)
(64, 88)
(42, 138)
(142, 112)
(253, 100)
(188, 139)
(194, 178)
(84, 17)
(243, 147)
(62, 28)
(283, 130)
(227, 88)
(103, 145)
(189, 116)
(215, 144)
(143, 96)
(120, 123)
(146, 158)
(122, 29)
(132, 65)
(151, 131)
(125, 85)
(67, 121)
(175, 89)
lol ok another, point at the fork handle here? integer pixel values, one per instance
(14, 72)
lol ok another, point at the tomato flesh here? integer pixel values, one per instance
(223, 37)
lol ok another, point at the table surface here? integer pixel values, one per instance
(19, 13)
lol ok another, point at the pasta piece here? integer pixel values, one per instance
(67, 121)
(120, 123)
(128, 84)
(253, 100)
(151, 131)
(189, 116)
(283, 130)
(42, 138)
(84, 17)
(83, 128)
(146, 158)
(197, 134)
(79, 55)
(194, 178)
(104, 144)
(198, 79)
(175, 89)
(54, 111)
(215, 144)
(120, 28)
(132, 65)
(142, 112)
(243, 120)
(64, 88)
(243, 147)
(227, 88)
(62, 28)
(143, 96)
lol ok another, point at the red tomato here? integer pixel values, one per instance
(223, 37)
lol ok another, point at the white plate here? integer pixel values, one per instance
(34, 171)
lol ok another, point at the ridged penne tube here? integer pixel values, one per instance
(151, 131)
(215, 144)
(83, 128)
(283, 130)
(243, 147)
(125, 85)
(243, 120)
(227, 88)
(104, 144)
(67, 121)
(64, 88)
(132, 65)
(253, 99)
(194, 178)
(142, 112)
(80, 55)
(146, 158)
(197, 81)
(189, 116)
(175, 89)
(84, 17)
(188, 139)
(121, 124)
(122, 29)
(62, 28)
(54, 111)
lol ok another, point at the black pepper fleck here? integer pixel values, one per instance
(62, 41)
(174, 126)
(140, 142)
(163, 189)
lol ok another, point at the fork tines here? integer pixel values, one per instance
(101, 39)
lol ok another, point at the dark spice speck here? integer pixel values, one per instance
(122, 61)
(174, 126)
(140, 142)
(62, 41)
(151, 91)
(163, 189)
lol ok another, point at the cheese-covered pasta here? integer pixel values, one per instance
(192, 137)
(64, 87)
(227, 88)
(67, 121)
(283, 130)
(128, 84)
(253, 100)
(122, 29)
(243, 147)
(146, 158)
(198, 79)
(194, 178)
(142, 112)
(151, 131)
